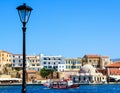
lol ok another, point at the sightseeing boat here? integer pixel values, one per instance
(62, 84)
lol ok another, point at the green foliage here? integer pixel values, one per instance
(46, 72)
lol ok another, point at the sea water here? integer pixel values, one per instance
(107, 88)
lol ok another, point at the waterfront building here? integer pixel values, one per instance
(52, 62)
(88, 74)
(31, 75)
(105, 60)
(67, 74)
(99, 62)
(61, 67)
(94, 60)
(33, 63)
(113, 72)
(17, 61)
(7, 79)
(5, 59)
(73, 64)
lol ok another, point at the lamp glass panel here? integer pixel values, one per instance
(24, 15)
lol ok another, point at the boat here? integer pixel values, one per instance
(61, 84)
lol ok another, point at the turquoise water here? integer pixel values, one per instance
(82, 89)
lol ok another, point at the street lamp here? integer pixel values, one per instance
(24, 12)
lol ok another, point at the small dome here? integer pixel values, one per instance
(87, 68)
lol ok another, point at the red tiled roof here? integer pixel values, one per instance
(105, 57)
(92, 56)
(116, 64)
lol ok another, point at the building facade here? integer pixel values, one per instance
(17, 61)
(61, 67)
(52, 62)
(5, 58)
(73, 64)
(88, 74)
(94, 60)
(99, 62)
(33, 63)
(113, 72)
(105, 61)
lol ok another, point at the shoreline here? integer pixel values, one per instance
(36, 84)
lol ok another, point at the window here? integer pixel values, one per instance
(45, 66)
(13, 60)
(33, 64)
(45, 58)
(44, 62)
(69, 62)
(77, 66)
(59, 58)
(49, 66)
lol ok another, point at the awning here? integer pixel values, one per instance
(116, 77)
(10, 79)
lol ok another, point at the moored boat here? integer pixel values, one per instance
(61, 84)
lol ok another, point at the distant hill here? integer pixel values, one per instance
(116, 59)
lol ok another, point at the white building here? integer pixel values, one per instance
(33, 63)
(88, 74)
(61, 67)
(52, 62)
(17, 60)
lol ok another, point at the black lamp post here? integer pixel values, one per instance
(24, 14)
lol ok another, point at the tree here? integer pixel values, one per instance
(46, 72)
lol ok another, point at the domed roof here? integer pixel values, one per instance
(87, 68)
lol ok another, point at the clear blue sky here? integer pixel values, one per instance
(71, 28)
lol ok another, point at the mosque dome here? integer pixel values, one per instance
(87, 68)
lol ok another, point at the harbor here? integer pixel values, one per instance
(101, 88)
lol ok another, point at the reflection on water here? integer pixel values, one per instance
(82, 89)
